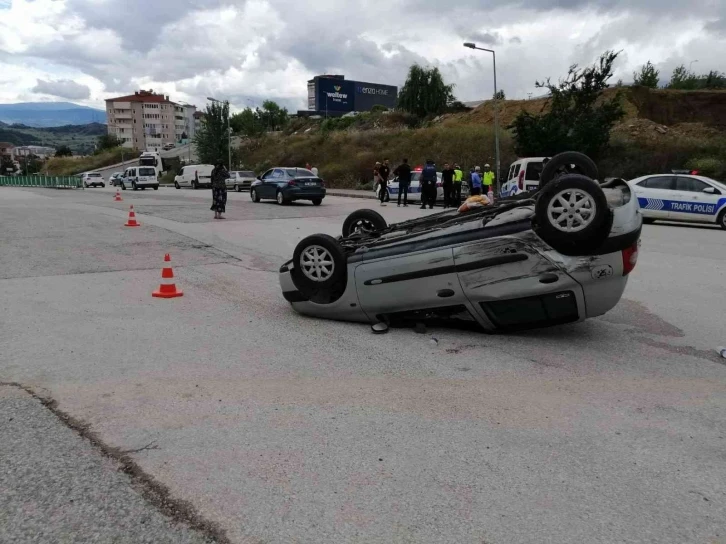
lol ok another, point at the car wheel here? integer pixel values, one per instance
(364, 222)
(280, 198)
(156, 187)
(237, 188)
(570, 162)
(319, 263)
(103, 186)
(317, 201)
(254, 196)
(648, 220)
(85, 185)
(572, 215)
(722, 220)
(176, 185)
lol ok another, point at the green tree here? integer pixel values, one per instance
(647, 77)
(715, 80)
(7, 166)
(63, 151)
(246, 123)
(576, 120)
(425, 92)
(107, 141)
(499, 96)
(683, 79)
(212, 138)
(31, 165)
(272, 116)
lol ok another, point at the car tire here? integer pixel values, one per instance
(648, 220)
(280, 197)
(365, 221)
(103, 186)
(85, 185)
(722, 220)
(176, 185)
(559, 219)
(237, 188)
(570, 162)
(254, 196)
(319, 264)
(156, 187)
(317, 201)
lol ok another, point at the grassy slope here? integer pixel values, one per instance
(67, 166)
(638, 145)
(80, 138)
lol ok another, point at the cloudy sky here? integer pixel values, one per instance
(250, 50)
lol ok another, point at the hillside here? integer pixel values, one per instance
(80, 138)
(662, 130)
(50, 114)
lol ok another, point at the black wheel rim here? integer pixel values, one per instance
(363, 226)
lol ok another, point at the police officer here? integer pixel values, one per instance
(456, 192)
(488, 179)
(428, 185)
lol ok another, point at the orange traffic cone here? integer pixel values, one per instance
(168, 289)
(132, 218)
(118, 198)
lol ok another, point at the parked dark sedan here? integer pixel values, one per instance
(288, 184)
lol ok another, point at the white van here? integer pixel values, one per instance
(523, 176)
(140, 177)
(194, 176)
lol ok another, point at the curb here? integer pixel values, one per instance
(333, 192)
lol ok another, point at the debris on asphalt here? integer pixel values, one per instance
(420, 328)
(721, 351)
(379, 328)
(434, 341)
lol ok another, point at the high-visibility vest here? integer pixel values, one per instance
(488, 178)
(458, 176)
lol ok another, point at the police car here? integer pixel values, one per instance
(414, 189)
(681, 197)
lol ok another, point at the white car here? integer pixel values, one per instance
(140, 177)
(240, 180)
(681, 197)
(93, 179)
(523, 176)
(194, 176)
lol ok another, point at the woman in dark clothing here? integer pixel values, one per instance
(219, 189)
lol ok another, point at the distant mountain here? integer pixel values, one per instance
(49, 114)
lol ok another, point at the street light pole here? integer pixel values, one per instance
(229, 132)
(496, 109)
(691, 64)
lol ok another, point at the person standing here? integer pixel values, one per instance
(384, 171)
(476, 181)
(314, 170)
(428, 185)
(447, 182)
(458, 178)
(377, 182)
(403, 173)
(219, 189)
(488, 179)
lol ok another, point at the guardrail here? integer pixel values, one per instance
(56, 182)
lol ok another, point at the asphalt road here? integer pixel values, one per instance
(280, 428)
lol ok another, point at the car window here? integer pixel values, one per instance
(94, 175)
(299, 172)
(147, 172)
(658, 182)
(517, 168)
(690, 184)
(246, 174)
(266, 175)
(534, 170)
(510, 174)
(278, 173)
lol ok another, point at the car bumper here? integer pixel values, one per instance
(303, 194)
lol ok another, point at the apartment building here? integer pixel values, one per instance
(147, 121)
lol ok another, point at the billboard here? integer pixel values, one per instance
(335, 94)
(368, 95)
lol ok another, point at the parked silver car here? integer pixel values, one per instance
(560, 255)
(240, 180)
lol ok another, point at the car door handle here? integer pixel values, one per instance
(549, 278)
(445, 293)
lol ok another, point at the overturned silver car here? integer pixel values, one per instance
(559, 255)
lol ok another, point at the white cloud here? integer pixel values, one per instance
(63, 88)
(251, 50)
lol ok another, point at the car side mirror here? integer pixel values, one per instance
(711, 191)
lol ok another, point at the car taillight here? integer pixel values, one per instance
(292, 182)
(630, 258)
(520, 182)
(322, 182)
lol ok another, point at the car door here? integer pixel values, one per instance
(407, 283)
(655, 195)
(511, 285)
(263, 189)
(272, 182)
(691, 203)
